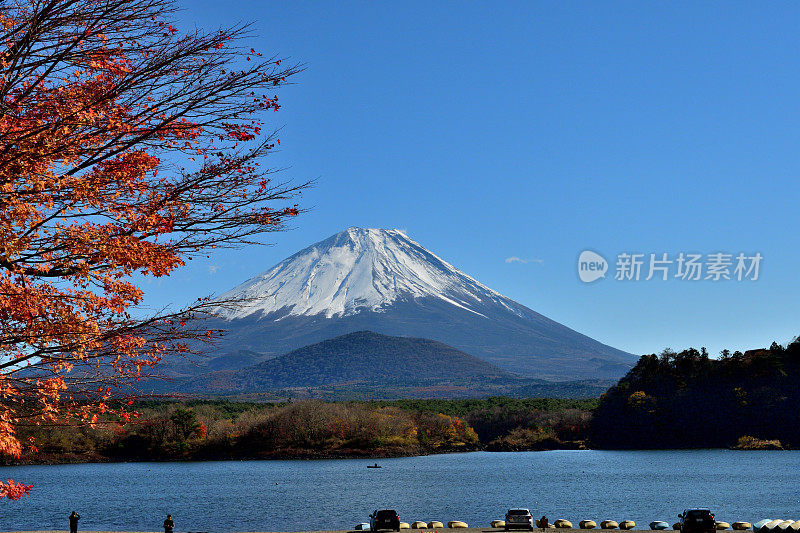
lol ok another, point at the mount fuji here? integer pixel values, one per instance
(383, 281)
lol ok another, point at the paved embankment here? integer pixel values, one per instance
(437, 530)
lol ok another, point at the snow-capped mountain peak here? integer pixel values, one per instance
(382, 281)
(359, 270)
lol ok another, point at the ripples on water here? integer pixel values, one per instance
(476, 487)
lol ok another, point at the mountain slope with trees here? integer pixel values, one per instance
(688, 400)
(360, 357)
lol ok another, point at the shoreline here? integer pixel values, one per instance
(436, 530)
(99, 459)
(305, 455)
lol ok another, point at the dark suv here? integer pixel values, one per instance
(384, 519)
(697, 521)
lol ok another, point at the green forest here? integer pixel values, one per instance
(689, 400)
(671, 400)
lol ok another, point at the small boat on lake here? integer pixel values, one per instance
(376, 465)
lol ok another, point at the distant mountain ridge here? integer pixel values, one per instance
(359, 357)
(383, 281)
(365, 365)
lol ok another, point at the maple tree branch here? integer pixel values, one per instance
(104, 107)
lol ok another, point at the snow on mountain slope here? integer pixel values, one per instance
(359, 270)
(382, 281)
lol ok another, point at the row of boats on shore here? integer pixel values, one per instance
(767, 525)
(770, 526)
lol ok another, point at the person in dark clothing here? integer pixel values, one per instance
(73, 522)
(168, 524)
(543, 522)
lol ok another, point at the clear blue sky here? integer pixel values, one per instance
(538, 130)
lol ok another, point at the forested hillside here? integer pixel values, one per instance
(237, 430)
(358, 357)
(672, 400)
(688, 400)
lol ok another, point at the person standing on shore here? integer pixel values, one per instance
(168, 524)
(73, 522)
(543, 522)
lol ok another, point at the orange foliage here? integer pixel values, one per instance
(126, 149)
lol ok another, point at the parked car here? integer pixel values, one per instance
(384, 519)
(697, 521)
(519, 519)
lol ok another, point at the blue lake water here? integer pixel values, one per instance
(475, 487)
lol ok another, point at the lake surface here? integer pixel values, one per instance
(225, 496)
